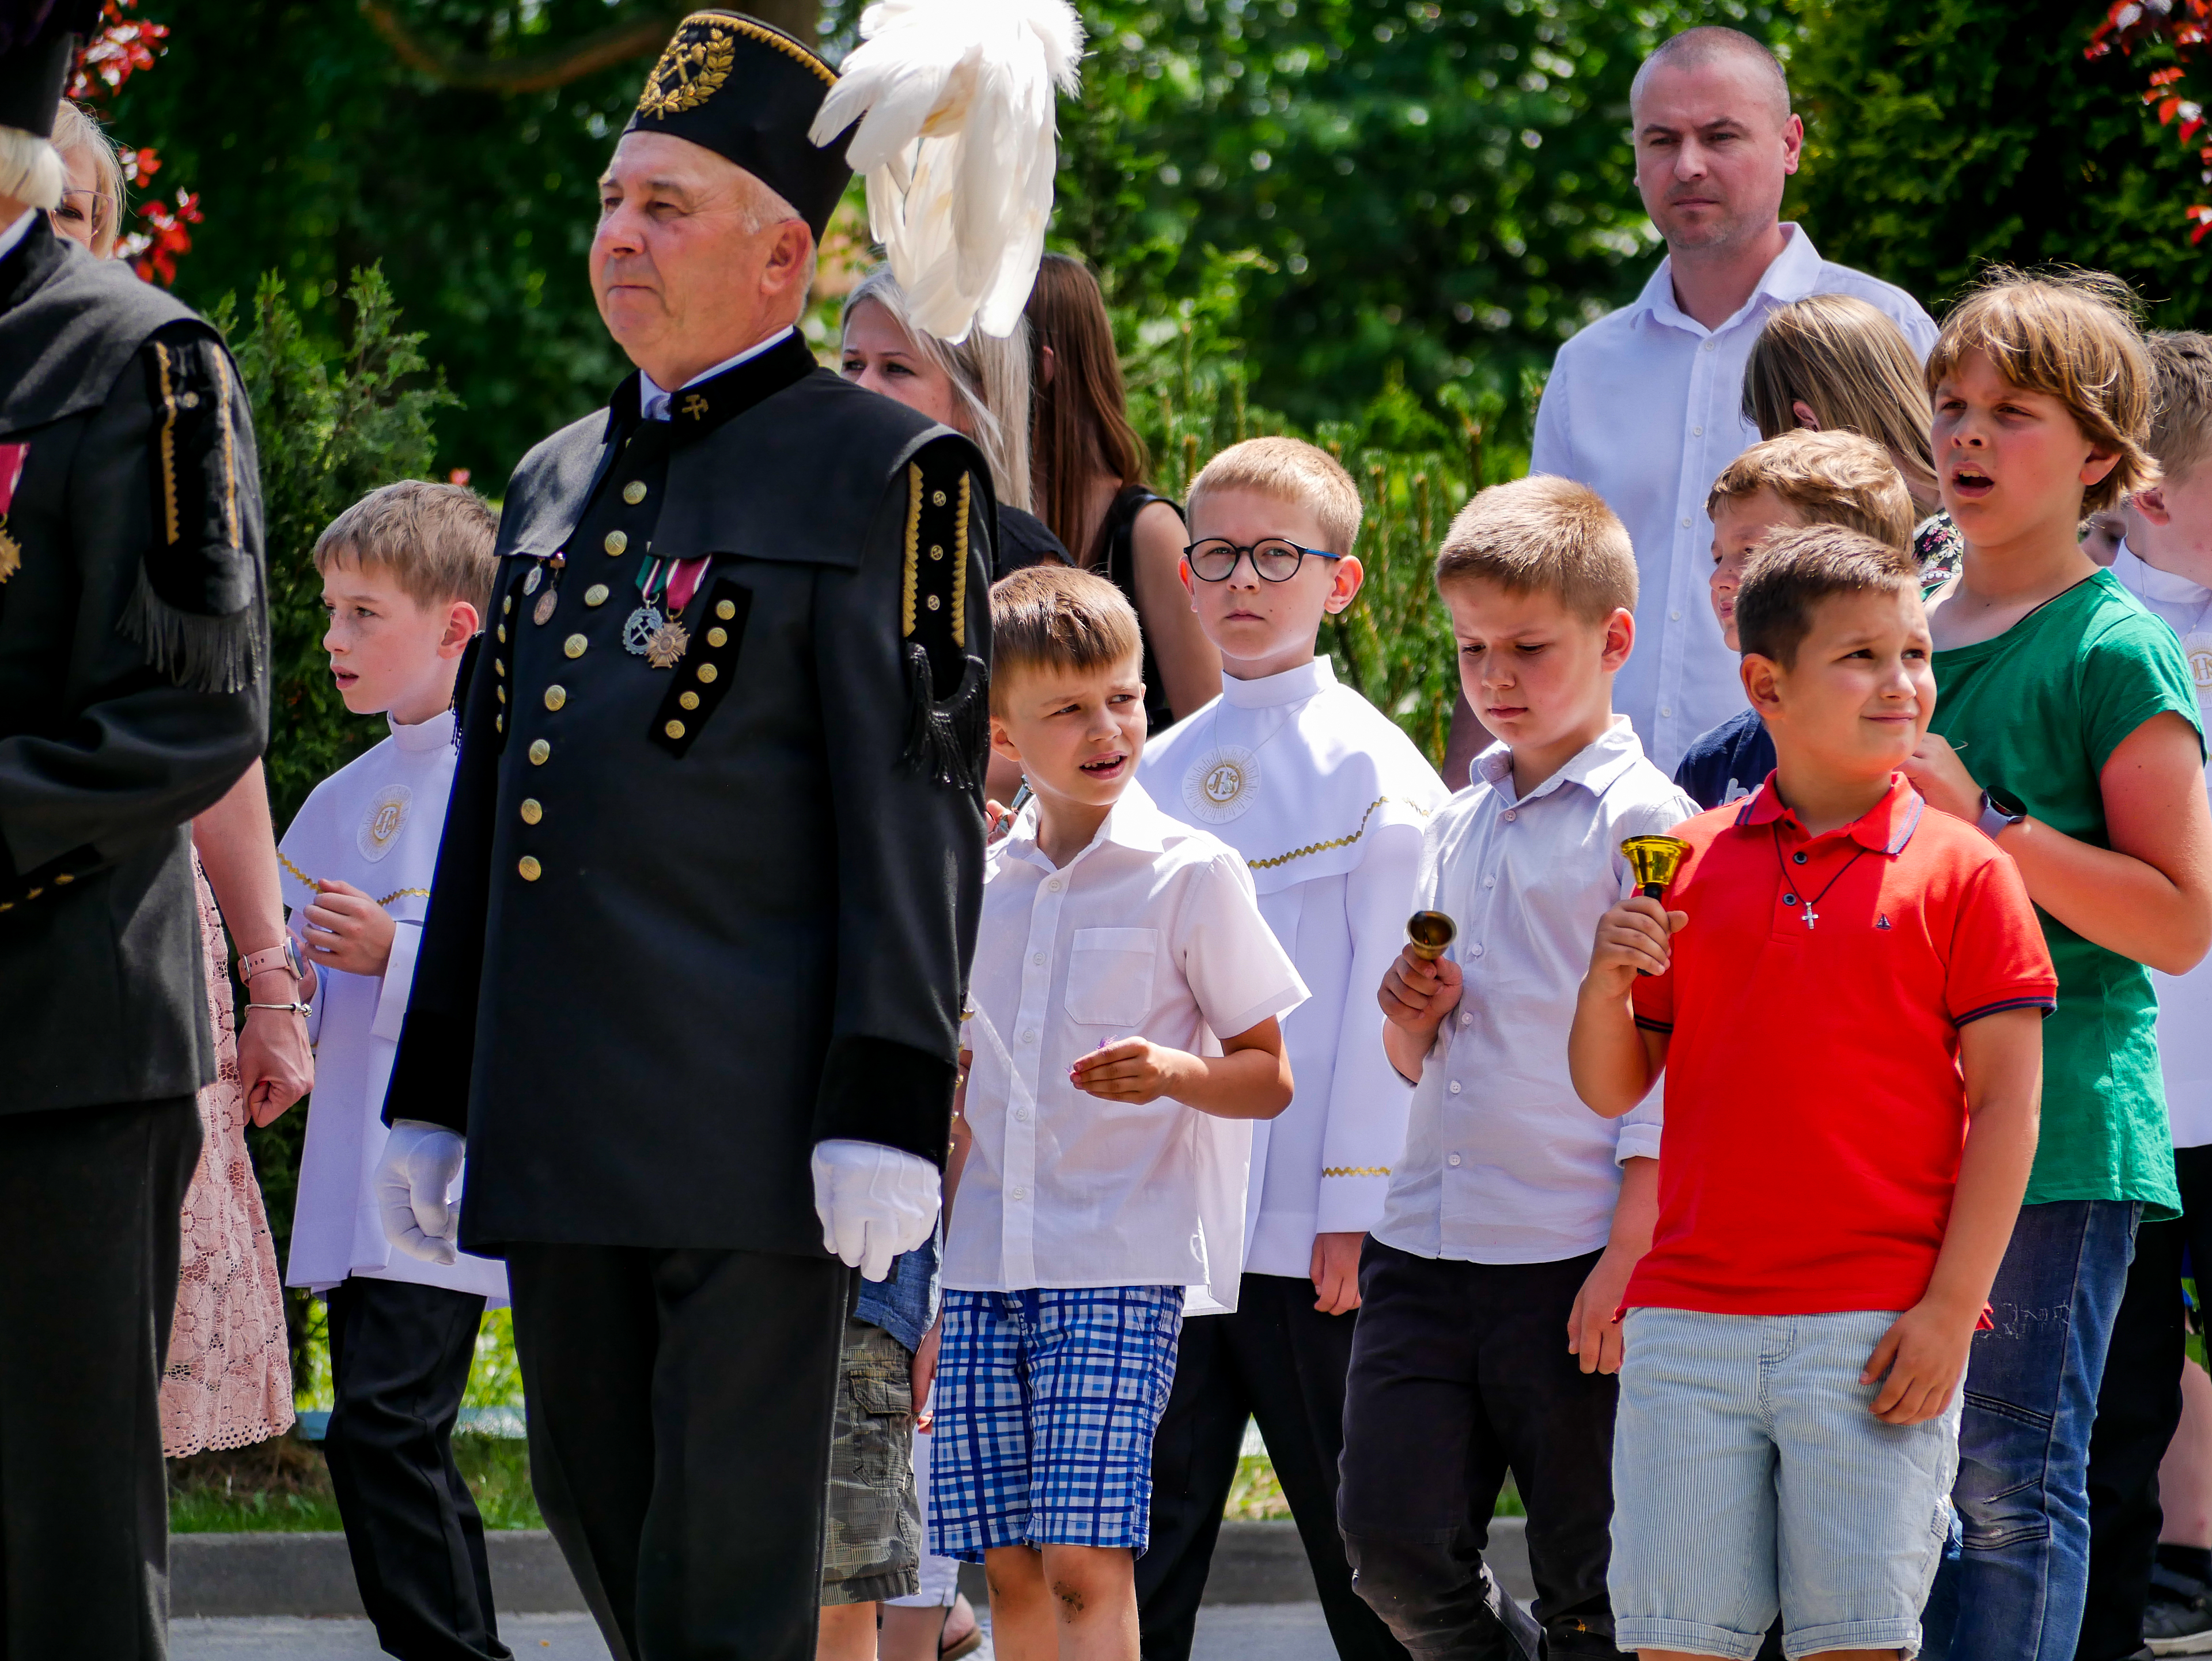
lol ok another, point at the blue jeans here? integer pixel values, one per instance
(2012, 1581)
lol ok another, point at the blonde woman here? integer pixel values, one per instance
(980, 387)
(1831, 362)
(91, 210)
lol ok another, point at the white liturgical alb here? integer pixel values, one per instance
(1326, 799)
(1151, 932)
(375, 824)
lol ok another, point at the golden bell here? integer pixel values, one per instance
(1429, 933)
(1655, 860)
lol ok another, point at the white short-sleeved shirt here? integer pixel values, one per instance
(1503, 1164)
(1645, 407)
(1151, 932)
(2184, 1001)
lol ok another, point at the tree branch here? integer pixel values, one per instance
(474, 72)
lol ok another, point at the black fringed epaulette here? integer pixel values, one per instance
(193, 608)
(945, 735)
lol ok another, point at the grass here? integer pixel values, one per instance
(283, 1486)
(1257, 1497)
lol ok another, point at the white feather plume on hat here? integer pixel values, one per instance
(957, 138)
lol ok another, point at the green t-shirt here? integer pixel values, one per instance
(2039, 711)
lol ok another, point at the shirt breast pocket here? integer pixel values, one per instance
(1110, 975)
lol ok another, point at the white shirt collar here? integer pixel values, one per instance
(1790, 275)
(430, 734)
(653, 403)
(1271, 692)
(2138, 576)
(1594, 766)
(1133, 821)
(17, 231)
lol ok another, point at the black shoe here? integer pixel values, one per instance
(2179, 1621)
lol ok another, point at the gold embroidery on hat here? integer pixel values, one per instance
(692, 68)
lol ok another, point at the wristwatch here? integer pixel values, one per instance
(2000, 809)
(283, 956)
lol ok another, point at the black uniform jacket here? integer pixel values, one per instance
(132, 628)
(689, 920)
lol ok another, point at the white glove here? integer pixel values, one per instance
(412, 1180)
(874, 1202)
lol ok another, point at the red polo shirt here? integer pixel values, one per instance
(1814, 1109)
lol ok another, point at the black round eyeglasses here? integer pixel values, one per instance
(1275, 559)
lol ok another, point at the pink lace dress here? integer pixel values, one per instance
(229, 1381)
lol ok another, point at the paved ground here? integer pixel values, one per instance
(1247, 1632)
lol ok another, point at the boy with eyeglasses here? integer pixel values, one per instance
(1325, 798)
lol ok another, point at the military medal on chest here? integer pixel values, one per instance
(12, 457)
(658, 637)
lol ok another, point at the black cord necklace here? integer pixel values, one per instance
(1789, 889)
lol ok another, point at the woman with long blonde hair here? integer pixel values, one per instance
(1832, 363)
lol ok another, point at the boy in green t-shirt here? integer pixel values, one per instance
(2066, 726)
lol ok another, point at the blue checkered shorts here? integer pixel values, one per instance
(1046, 1401)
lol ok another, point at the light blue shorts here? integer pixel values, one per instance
(1749, 1477)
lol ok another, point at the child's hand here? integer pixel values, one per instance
(1594, 1334)
(1132, 1070)
(1419, 993)
(1336, 1271)
(348, 930)
(924, 1373)
(1631, 938)
(997, 821)
(1925, 1355)
(1937, 774)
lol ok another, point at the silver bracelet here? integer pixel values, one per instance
(296, 1007)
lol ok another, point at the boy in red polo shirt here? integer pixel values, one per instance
(1849, 1030)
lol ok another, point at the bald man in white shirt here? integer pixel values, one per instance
(1645, 407)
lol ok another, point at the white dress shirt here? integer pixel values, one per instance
(376, 823)
(1326, 799)
(1645, 407)
(17, 231)
(1151, 931)
(2184, 1001)
(653, 403)
(1502, 1162)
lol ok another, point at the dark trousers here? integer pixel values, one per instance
(1279, 1361)
(1460, 1372)
(87, 1288)
(2138, 1406)
(680, 1405)
(399, 1363)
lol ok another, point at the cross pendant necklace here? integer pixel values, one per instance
(1811, 917)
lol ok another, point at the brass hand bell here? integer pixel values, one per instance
(1430, 933)
(1655, 860)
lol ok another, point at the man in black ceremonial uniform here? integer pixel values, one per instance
(699, 937)
(132, 631)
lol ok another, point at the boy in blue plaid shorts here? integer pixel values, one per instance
(1121, 1037)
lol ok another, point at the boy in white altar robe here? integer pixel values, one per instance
(1326, 800)
(406, 575)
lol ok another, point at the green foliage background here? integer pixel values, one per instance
(1368, 221)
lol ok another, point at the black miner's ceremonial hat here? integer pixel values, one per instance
(39, 41)
(748, 92)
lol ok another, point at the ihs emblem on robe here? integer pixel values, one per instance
(2197, 649)
(380, 821)
(1222, 784)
